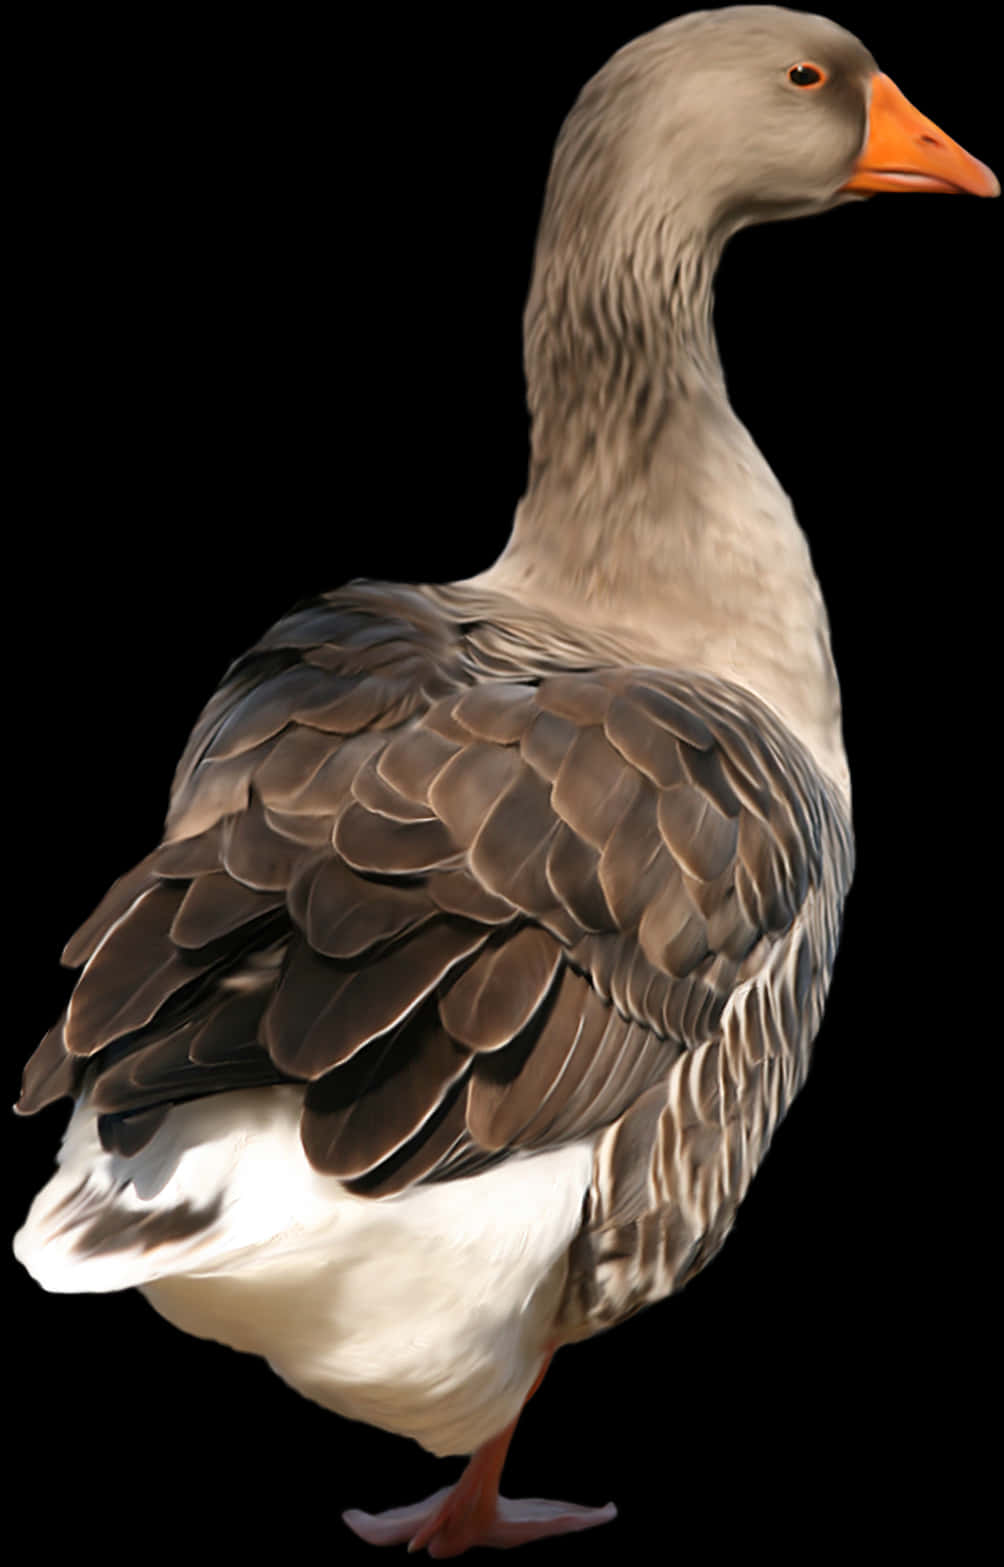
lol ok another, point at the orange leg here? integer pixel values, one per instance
(473, 1513)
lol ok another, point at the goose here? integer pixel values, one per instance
(493, 921)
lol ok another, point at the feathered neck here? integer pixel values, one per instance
(649, 508)
(623, 379)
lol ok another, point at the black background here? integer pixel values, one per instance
(269, 286)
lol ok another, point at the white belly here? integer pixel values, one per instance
(426, 1314)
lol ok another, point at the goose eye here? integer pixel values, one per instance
(806, 75)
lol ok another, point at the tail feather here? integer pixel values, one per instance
(108, 1221)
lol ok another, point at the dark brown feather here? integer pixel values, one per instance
(372, 790)
(133, 972)
(573, 875)
(374, 843)
(670, 712)
(256, 853)
(323, 1011)
(344, 914)
(510, 849)
(442, 1143)
(50, 1073)
(127, 1135)
(499, 711)
(643, 743)
(410, 762)
(594, 789)
(502, 1103)
(294, 762)
(113, 905)
(545, 743)
(498, 994)
(358, 1116)
(460, 892)
(214, 905)
(468, 787)
(634, 863)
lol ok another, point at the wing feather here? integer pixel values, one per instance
(496, 997)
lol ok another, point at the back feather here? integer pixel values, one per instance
(477, 893)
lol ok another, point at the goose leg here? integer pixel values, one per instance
(473, 1513)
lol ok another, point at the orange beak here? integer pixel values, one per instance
(906, 151)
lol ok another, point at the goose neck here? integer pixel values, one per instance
(618, 341)
(649, 511)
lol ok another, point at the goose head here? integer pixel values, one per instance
(711, 122)
(723, 118)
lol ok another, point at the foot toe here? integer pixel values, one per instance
(398, 1524)
(531, 1518)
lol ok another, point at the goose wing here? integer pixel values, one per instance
(474, 905)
